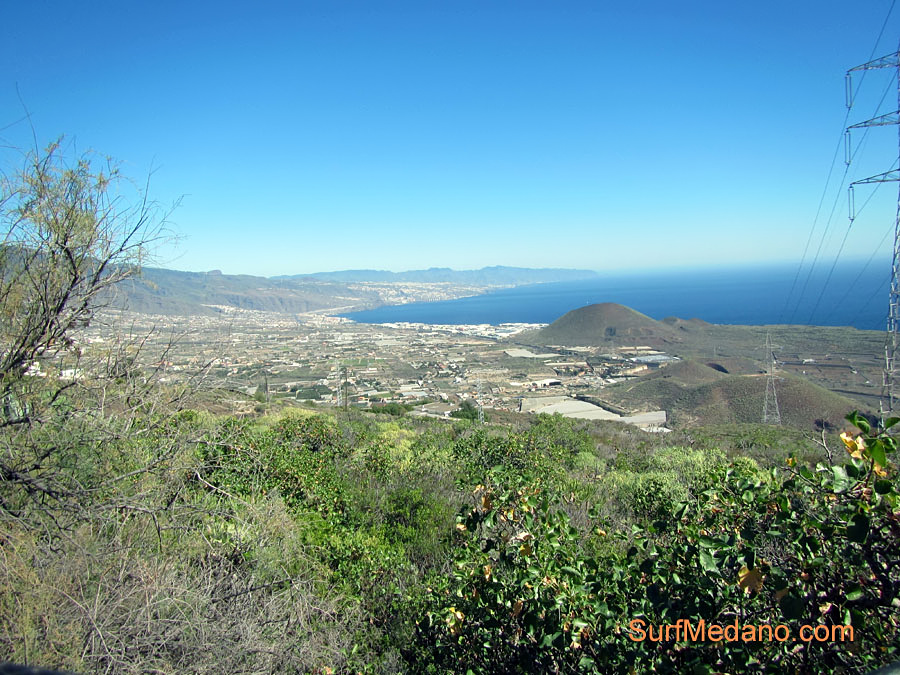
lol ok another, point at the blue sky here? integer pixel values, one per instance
(311, 136)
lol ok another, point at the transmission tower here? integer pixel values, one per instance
(339, 388)
(771, 413)
(480, 407)
(342, 398)
(892, 341)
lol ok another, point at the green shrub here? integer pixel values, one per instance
(559, 438)
(817, 547)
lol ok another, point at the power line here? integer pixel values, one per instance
(884, 319)
(843, 138)
(875, 120)
(815, 223)
(881, 32)
(852, 286)
(854, 214)
(812, 266)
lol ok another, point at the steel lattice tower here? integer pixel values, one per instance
(345, 388)
(339, 387)
(889, 388)
(480, 406)
(771, 413)
(342, 399)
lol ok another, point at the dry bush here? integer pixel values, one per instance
(172, 593)
(114, 556)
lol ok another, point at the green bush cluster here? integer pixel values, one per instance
(796, 547)
(359, 543)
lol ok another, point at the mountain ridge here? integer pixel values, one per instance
(158, 290)
(491, 275)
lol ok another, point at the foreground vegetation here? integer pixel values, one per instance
(307, 542)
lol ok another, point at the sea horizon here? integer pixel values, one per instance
(856, 294)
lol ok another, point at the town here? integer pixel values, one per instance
(431, 370)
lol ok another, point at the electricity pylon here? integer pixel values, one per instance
(340, 386)
(343, 400)
(892, 340)
(771, 413)
(480, 407)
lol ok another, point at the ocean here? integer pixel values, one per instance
(856, 295)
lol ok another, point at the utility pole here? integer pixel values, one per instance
(771, 413)
(889, 389)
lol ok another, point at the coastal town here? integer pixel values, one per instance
(432, 370)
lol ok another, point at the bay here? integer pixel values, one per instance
(856, 294)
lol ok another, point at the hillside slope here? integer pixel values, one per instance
(732, 398)
(162, 291)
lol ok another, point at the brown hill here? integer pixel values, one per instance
(599, 324)
(731, 398)
(686, 325)
(686, 373)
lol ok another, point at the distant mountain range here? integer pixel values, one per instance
(497, 275)
(162, 291)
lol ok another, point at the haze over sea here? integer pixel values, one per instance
(855, 295)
